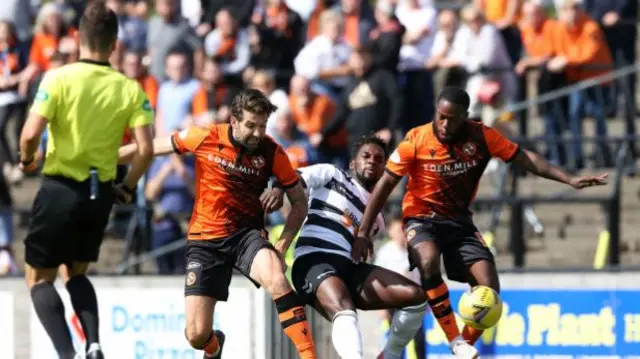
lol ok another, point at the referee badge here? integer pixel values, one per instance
(146, 105)
(42, 95)
(191, 279)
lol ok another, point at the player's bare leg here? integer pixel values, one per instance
(481, 273)
(426, 255)
(385, 289)
(267, 269)
(199, 323)
(334, 301)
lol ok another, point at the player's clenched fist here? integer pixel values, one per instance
(362, 249)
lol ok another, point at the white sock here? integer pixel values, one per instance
(94, 347)
(404, 325)
(345, 335)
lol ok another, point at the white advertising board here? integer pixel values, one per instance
(150, 323)
(6, 325)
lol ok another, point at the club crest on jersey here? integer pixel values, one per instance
(469, 148)
(432, 152)
(258, 161)
(411, 234)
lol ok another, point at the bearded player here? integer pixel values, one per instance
(233, 165)
(444, 161)
(323, 273)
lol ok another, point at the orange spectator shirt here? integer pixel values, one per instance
(229, 180)
(311, 118)
(538, 42)
(150, 87)
(496, 10)
(582, 45)
(44, 45)
(205, 100)
(443, 179)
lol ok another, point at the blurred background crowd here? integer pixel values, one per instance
(336, 69)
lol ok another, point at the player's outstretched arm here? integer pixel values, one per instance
(539, 166)
(141, 157)
(161, 146)
(298, 213)
(362, 247)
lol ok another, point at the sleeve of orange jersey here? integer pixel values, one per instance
(35, 53)
(283, 170)
(588, 47)
(499, 146)
(402, 158)
(188, 140)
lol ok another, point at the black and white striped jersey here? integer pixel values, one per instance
(336, 207)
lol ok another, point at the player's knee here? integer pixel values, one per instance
(429, 268)
(197, 336)
(277, 285)
(416, 296)
(335, 305)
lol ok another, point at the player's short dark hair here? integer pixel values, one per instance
(369, 140)
(251, 100)
(98, 27)
(456, 96)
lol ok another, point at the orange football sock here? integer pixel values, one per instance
(295, 324)
(212, 346)
(441, 308)
(471, 335)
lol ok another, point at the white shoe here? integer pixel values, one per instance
(463, 350)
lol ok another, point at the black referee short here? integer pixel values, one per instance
(66, 225)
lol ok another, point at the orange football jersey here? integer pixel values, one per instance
(444, 177)
(230, 179)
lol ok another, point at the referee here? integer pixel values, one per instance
(87, 106)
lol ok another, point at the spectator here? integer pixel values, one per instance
(311, 113)
(618, 19)
(132, 32)
(132, 67)
(170, 189)
(504, 15)
(21, 13)
(358, 21)
(241, 11)
(313, 23)
(537, 37)
(212, 98)
(324, 59)
(12, 106)
(262, 57)
(294, 143)
(169, 32)
(479, 48)
(175, 96)
(51, 35)
(444, 68)
(386, 37)
(228, 44)
(7, 262)
(416, 82)
(582, 53)
(372, 103)
(282, 32)
(265, 83)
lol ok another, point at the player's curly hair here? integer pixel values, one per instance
(251, 100)
(98, 27)
(370, 140)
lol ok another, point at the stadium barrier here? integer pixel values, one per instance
(576, 315)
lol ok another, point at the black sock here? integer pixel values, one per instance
(50, 311)
(85, 304)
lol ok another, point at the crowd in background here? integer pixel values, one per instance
(336, 69)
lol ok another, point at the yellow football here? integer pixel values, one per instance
(480, 307)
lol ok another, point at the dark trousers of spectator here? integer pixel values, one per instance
(589, 102)
(554, 114)
(16, 112)
(173, 262)
(419, 341)
(513, 42)
(622, 43)
(417, 89)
